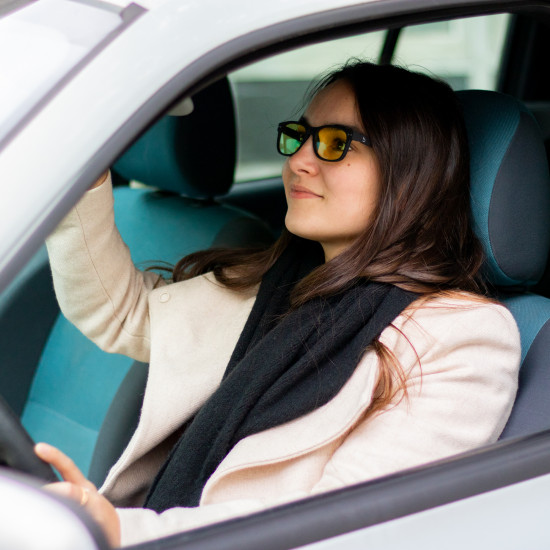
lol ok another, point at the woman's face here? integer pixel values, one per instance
(331, 202)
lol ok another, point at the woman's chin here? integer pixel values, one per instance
(301, 226)
(302, 232)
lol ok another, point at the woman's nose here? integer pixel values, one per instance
(304, 160)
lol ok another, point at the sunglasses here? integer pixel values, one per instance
(330, 143)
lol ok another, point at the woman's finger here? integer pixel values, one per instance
(95, 504)
(100, 180)
(63, 464)
(67, 490)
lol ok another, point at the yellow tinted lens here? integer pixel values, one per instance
(292, 136)
(332, 143)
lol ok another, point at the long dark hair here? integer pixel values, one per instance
(420, 236)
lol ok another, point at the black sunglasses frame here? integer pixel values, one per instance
(351, 135)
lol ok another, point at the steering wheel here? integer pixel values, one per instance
(17, 447)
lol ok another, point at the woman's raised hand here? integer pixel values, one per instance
(76, 487)
(100, 180)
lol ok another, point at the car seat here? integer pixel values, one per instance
(79, 393)
(511, 205)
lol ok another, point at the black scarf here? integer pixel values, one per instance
(284, 366)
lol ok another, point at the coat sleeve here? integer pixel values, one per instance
(97, 286)
(460, 391)
(461, 361)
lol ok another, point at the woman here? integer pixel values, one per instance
(359, 344)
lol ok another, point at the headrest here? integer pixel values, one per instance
(192, 155)
(510, 187)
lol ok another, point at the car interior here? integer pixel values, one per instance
(170, 200)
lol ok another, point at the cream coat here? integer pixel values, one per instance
(462, 379)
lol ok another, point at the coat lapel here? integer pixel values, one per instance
(307, 433)
(183, 375)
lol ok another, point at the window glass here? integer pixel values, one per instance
(465, 52)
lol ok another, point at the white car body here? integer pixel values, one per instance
(159, 52)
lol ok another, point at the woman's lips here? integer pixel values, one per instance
(299, 192)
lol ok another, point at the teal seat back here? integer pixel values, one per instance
(511, 209)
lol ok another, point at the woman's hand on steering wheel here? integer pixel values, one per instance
(76, 487)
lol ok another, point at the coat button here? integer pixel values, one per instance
(164, 297)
